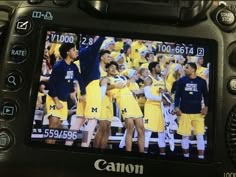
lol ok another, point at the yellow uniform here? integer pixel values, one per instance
(107, 109)
(80, 106)
(85, 109)
(128, 105)
(93, 100)
(187, 122)
(154, 119)
(92, 107)
(53, 111)
(141, 99)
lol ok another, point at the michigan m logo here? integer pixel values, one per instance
(52, 107)
(124, 111)
(94, 109)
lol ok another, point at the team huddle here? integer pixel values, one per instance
(148, 91)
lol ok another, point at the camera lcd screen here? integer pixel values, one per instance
(124, 94)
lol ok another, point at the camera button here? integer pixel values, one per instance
(232, 86)
(18, 53)
(13, 80)
(35, 1)
(8, 110)
(23, 25)
(225, 17)
(6, 139)
(61, 2)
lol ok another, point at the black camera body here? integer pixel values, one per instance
(199, 23)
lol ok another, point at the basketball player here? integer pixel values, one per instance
(154, 86)
(129, 108)
(89, 108)
(106, 116)
(61, 85)
(190, 90)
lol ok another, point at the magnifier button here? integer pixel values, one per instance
(13, 81)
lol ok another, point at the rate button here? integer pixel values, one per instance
(18, 53)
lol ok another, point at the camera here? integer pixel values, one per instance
(118, 88)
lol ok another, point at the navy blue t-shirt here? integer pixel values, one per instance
(61, 80)
(189, 94)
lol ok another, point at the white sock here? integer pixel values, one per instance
(122, 141)
(185, 142)
(148, 134)
(161, 140)
(200, 142)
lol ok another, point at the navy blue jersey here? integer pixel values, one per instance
(89, 61)
(189, 94)
(61, 80)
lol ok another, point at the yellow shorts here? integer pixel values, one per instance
(93, 100)
(153, 117)
(189, 122)
(107, 109)
(129, 107)
(51, 109)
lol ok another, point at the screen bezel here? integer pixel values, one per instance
(210, 43)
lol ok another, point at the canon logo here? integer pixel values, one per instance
(103, 165)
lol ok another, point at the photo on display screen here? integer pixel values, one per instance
(120, 94)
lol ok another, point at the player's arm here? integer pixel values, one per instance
(147, 90)
(97, 45)
(177, 98)
(91, 50)
(54, 78)
(119, 85)
(138, 92)
(57, 103)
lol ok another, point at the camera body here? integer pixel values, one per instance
(202, 23)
